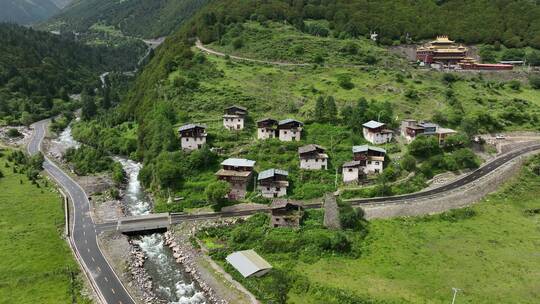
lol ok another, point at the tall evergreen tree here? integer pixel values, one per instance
(331, 110)
(320, 110)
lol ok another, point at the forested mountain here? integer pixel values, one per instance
(141, 18)
(38, 70)
(28, 11)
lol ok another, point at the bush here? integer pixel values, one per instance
(449, 78)
(344, 81)
(534, 81)
(13, 133)
(514, 85)
(216, 192)
(238, 43)
(424, 147)
(408, 163)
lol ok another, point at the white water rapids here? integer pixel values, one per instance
(171, 283)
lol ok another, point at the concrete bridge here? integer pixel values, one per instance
(139, 224)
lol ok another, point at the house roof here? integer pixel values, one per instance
(353, 163)
(365, 148)
(247, 262)
(267, 119)
(238, 162)
(236, 107)
(190, 126)
(372, 124)
(310, 148)
(446, 131)
(272, 172)
(428, 125)
(289, 120)
(233, 173)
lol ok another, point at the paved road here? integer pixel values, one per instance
(473, 176)
(83, 230)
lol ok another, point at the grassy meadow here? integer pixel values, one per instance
(489, 251)
(35, 262)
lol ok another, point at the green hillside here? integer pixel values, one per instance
(139, 18)
(39, 70)
(27, 11)
(488, 251)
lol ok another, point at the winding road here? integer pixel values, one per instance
(83, 234)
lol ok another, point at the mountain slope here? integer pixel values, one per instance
(38, 70)
(141, 18)
(27, 11)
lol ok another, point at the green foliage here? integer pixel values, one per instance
(514, 85)
(408, 163)
(351, 218)
(13, 133)
(118, 174)
(88, 160)
(424, 147)
(147, 19)
(38, 69)
(217, 191)
(31, 166)
(344, 81)
(534, 81)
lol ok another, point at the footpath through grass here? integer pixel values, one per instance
(491, 251)
(35, 263)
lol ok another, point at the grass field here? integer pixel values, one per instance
(490, 251)
(35, 262)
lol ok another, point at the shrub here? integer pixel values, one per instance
(424, 147)
(534, 81)
(216, 191)
(238, 43)
(344, 81)
(408, 163)
(13, 133)
(449, 78)
(514, 85)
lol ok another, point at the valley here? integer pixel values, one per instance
(271, 152)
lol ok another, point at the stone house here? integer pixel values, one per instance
(366, 160)
(411, 128)
(285, 213)
(267, 128)
(238, 173)
(234, 118)
(290, 130)
(376, 132)
(192, 136)
(273, 183)
(313, 157)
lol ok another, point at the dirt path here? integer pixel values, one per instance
(207, 50)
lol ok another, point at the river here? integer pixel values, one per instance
(171, 284)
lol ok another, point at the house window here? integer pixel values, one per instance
(284, 132)
(376, 163)
(267, 188)
(350, 170)
(277, 189)
(369, 162)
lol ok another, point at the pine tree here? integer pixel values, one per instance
(320, 110)
(331, 110)
(89, 108)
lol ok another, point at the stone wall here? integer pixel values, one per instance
(457, 198)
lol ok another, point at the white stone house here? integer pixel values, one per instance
(238, 173)
(313, 157)
(234, 118)
(376, 132)
(352, 171)
(192, 136)
(273, 183)
(290, 130)
(267, 128)
(366, 160)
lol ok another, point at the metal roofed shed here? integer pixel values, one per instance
(249, 263)
(238, 162)
(289, 120)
